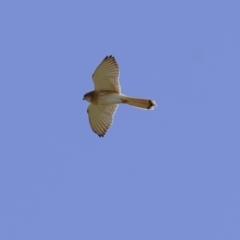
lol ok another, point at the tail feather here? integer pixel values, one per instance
(139, 103)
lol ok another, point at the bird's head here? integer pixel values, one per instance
(87, 96)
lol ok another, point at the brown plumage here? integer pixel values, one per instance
(107, 95)
(139, 103)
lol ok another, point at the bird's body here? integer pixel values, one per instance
(103, 97)
(107, 95)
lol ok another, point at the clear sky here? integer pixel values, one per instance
(172, 173)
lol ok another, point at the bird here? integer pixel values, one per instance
(106, 97)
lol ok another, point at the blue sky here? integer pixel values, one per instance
(171, 173)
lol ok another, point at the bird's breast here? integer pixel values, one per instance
(105, 97)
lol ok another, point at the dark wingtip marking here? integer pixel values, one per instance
(100, 135)
(110, 56)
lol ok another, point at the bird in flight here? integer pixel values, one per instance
(107, 95)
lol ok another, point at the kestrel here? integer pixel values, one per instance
(107, 95)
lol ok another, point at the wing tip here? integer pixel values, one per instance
(109, 56)
(100, 135)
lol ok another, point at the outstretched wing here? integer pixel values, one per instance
(101, 117)
(106, 76)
